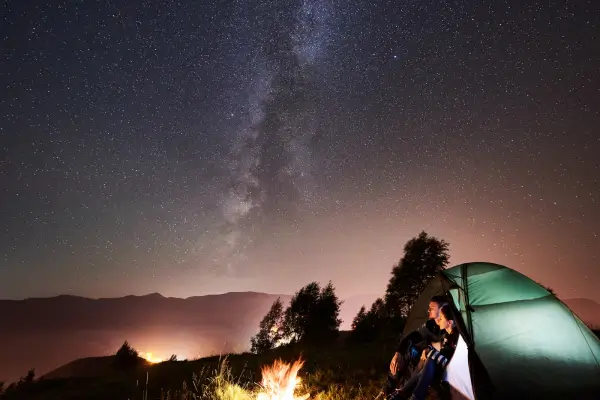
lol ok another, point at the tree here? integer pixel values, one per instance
(424, 257)
(27, 379)
(313, 315)
(368, 326)
(270, 329)
(30, 377)
(359, 319)
(126, 357)
(548, 288)
(328, 323)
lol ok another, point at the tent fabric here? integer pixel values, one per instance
(457, 373)
(534, 348)
(495, 285)
(521, 341)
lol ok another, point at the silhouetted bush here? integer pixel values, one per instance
(126, 357)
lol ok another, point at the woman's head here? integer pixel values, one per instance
(446, 318)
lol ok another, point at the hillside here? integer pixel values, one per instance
(340, 363)
(87, 367)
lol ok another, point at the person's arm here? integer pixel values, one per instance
(415, 338)
(394, 363)
(442, 356)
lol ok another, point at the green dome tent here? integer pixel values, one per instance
(517, 339)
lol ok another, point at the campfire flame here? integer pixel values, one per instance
(280, 381)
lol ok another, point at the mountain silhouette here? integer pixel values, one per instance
(44, 333)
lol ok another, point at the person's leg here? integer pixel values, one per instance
(408, 387)
(390, 384)
(404, 392)
(426, 377)
(407, 358)
(411, 383)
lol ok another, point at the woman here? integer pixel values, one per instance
(436, 360)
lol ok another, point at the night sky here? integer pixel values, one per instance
(195, 147)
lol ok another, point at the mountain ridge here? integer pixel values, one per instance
(46, 332)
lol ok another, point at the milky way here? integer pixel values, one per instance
(272, 163)
(200, 147)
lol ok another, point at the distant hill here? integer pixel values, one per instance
(587, 310)
(43, 333)
(86, 368)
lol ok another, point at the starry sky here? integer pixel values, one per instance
(190, 148)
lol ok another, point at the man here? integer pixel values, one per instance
(414, 346)
(436, 360)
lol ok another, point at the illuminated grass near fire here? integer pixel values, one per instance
(279, 381)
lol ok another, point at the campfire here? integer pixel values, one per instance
(280, 381)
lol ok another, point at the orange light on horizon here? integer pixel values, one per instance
(152, 360)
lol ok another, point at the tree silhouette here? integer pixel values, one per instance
(367, 326)
(424, 257)
(30, 377)
(313, 315)
(359, 319)
(327, 318)
(126, 357)
(270, 329)
(27, 379)
(548, 288)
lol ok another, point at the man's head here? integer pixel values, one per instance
(435, 304)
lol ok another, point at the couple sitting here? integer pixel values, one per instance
(426, 351)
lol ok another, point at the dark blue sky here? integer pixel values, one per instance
(196, 147)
